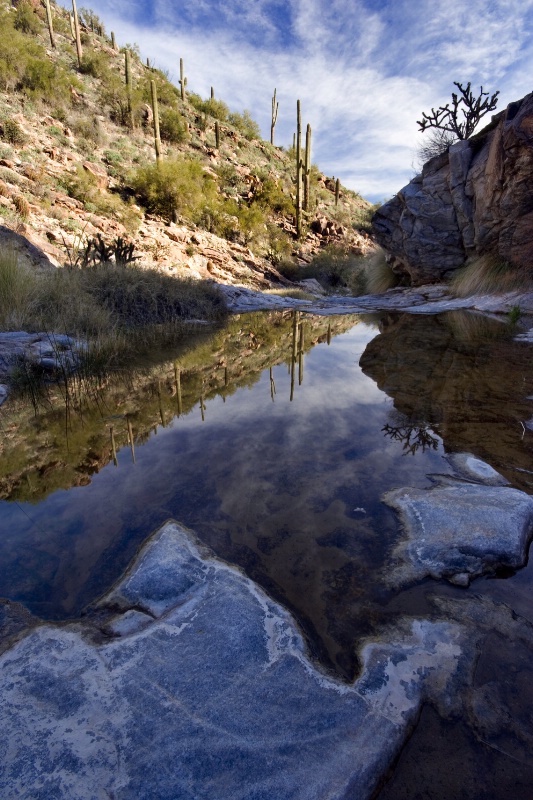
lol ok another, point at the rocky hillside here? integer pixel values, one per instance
(77, 163)
(473, 201)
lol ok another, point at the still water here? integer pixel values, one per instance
(279, 471)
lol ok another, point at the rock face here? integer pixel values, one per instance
(472, 201)
(202, 689)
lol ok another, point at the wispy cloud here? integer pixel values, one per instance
(364, 71)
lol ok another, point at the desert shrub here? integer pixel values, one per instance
(271, 196)
(172, 126)
(279, 245)
(228, 175)
(252, 222)
(22, 206)
(221, 218)
(174, 186)
(88, 130)
(212, 108)
(95, 64)
(81, 185)
(245, 125)
(114, 96)
(26, 20)
(12, 132)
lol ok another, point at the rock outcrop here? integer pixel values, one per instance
(473, 200)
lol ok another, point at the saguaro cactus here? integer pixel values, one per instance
(337, 191)
(113, 41)
(274, 119)
(307, 168)
(212, 93)
(217, 134)
(298, 170)
(77, 32)
(129, 84)
(50, 24)
(183, 80)
(155, 109)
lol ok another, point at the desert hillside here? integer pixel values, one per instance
(78, 162)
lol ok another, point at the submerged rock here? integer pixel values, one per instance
(205, 691)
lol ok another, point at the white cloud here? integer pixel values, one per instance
(364, 73)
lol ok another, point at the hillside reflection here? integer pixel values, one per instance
(463, 377)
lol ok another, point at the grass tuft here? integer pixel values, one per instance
(489, 274)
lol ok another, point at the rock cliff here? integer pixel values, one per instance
(473, 200)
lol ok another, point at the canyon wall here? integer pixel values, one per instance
(473, 200)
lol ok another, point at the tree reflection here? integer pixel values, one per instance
(413, 436)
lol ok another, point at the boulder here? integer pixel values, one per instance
(458, 531)
(473, 200)
(197, 685)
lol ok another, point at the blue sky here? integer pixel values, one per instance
(364, 70)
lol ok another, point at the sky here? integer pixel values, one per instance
(364, 70)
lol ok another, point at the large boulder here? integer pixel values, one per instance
(471, 201)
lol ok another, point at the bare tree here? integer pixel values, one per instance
(464, 105)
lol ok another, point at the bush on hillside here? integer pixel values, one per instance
(172, 126)
(245, 125)
(174, 186)
(211, 107)
(26, 20)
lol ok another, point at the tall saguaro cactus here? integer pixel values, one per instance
(50, 23)
(307, 169)
(79, 51)
(217, 134)
(337, 191)
(155, 109)
(298, 170)
(274, 118)
(113, 41)
(183, 80)
(129, 84)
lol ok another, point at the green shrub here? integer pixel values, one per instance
(245, 125)
(271, 196)
(174, 186)
(26, 20)
(95, 64)
(213, 108)
(12, 132)
(172, 126)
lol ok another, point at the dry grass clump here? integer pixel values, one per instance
(22, 206)
(489, 274)
(121, 311)
(379, 276)
(17, 293)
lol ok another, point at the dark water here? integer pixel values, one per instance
(287, 489)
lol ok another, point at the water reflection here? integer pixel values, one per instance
(463, 376)
(282, 477)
